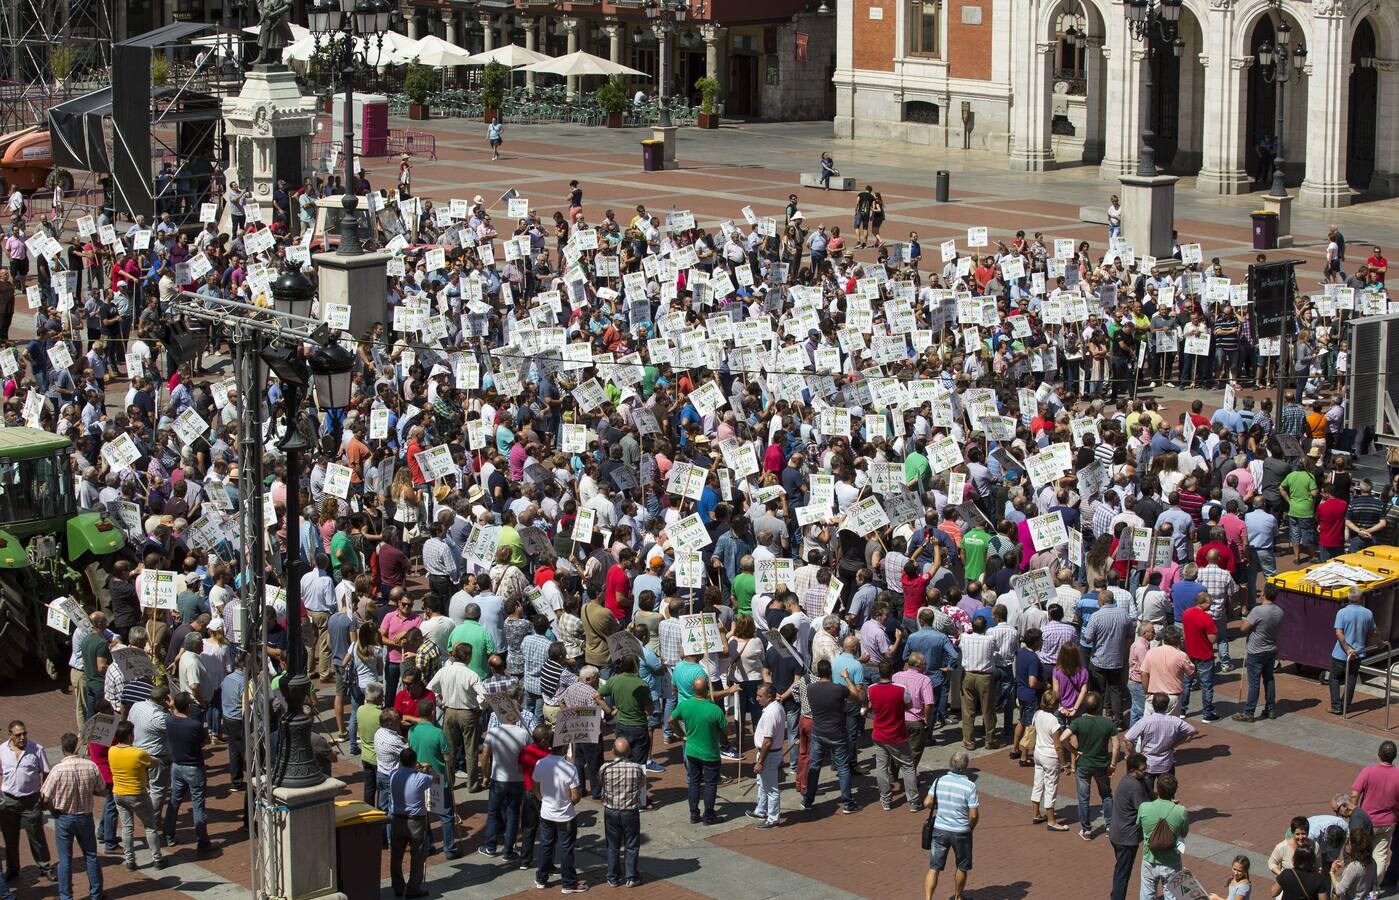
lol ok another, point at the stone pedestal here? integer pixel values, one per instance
(1283, 207)
(1149, 213)
(306, 836)
(667, 136)
(358, 281)
(269, 127)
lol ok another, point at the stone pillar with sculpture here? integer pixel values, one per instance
(267, 115)
(570, 28)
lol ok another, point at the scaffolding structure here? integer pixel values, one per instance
(50, 51)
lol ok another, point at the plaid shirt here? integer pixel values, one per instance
(501, 684)
(569, 629)
(672, 641)
(535, 653)
(1264, 421)
(814, 601)
(1103, 515)
(1294, 420)
(1220, 584)
(623, 785)
(71, 785)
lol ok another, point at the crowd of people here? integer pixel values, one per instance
(609, 476)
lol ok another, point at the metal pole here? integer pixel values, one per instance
(349, 223)
(663, 69)
(1280, 69)
(1146, 163)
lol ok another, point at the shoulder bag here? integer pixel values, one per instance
(927, 841)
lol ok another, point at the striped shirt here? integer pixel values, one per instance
(535, 651)
(1007, 641)
(71, 785)
(623, 785)
(955, 797)
(813, 602)
(978, 653)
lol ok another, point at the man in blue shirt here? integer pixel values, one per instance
(408, 827)
(1262, 527)
(1184, 592)
(941, 657)
(1354, 625)
(849, 662)
(318, 599)
(955, 798)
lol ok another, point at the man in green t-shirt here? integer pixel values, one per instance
(744, 586)
(432, 749)
(701, 724)
(1093, 741)
(975, 544)
(96, 652)
(630, 699)
(1159, 865)
(1299, 490)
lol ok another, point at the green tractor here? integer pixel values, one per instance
(47, 548)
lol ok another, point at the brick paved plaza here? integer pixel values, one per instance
(1241, 783)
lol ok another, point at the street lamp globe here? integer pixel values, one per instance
(1284, 34)
(1170, 10)
(331, 367)
(324, 17)
(293, 293)
(1265, 54)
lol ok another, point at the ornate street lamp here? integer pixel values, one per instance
(663, 15)
(1273, 65)
(1145, 19)
(337, 25)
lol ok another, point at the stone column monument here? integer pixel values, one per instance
(269, 125)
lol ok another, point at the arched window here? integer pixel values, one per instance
(922, 112)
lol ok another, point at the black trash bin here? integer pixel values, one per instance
(359, 834)
(652, 155)
(944, 185)
(1265, 230)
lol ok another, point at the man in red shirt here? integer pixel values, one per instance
(1331, 523)
(1200, 637)
(415, 446)
(530, 756)
(618, 585)
(1227, 560)
(888, 701)
(1377, 262)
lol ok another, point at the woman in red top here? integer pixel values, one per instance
(915, 586)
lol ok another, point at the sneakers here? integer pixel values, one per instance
(1210, 717)
(765, 824)
(539, 886)
(731, 754)
(653, 767)
(1086, 835)
(806, 804)
(849, 810)
(158, 862)
(488, 851)
(578, 887)
(753, 815)
(130, 865)
(634, 882)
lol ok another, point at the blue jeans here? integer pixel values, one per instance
(940, 701)
(191, 780)
(1138, 701)
(382, 782)
(503, 813)
(356, 701)
(448, 820)
(1204, 676)
(1085, 781)
(67, 828)
(1221, 649)
(107, 830)
(793, 747)
(213, 714)
(1152, 875)
(820, 749)
(703, 771)
(563, 834)
(1259, 667)
(623, 830)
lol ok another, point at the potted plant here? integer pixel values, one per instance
(709, 110)
(612, 99)
(418, 85)
(61, 62)
(493, 80)
(160, 70)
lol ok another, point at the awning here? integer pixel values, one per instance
(77, 133)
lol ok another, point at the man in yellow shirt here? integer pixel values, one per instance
(130, 789)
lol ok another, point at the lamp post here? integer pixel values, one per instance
(663, 15)
(1273, 63)
(329, 366)
(1146, 19)
(337, 26)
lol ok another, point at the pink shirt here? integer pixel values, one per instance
(920, 692)
(394, 626)
(1378, 786)
(1134, 659)
(1169, 576)
(1165, 668)
(1245, 485)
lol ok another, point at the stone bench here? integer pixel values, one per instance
(1093, 214)
(838, 182)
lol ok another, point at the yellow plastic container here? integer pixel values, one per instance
(1296, 579)
(357, 812)
(1387, 554)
